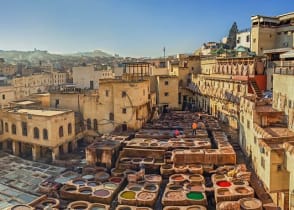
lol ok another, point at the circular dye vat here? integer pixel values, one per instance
(196, 178)
(175, 195)
(173, 208)
(48, 202)
(175, 187)
(242, 190)
(195, 195)
(79, 182)
(101, 193)
(150, 187)
(238, 183)
(177, 178)
(97, 208)
(128, 195)
(102, 176)
(146, 196)
(223, 191)
(152, 178)
(148, 160)
(115, 179)
(194, 208)
(70, 188)
(78, 205)
(21, 207)
(168, 166)
(110, 185)
(124, 208)
(88, 177)
(92, 184)
(223, 184)
(85, 191)
(250, 203)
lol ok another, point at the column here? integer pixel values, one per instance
(65, 148)
(74, 145)
(15, 148)
(36, 152)
(55, 153)
(4, 145)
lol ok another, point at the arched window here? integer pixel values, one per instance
(69, 129)
(95, 124)
(61, 131)
(13, 129)
(88, 124)
(36, 133)
(1, 126)
(45, 134)
(6, 127)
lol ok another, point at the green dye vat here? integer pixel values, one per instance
(195, 195)
(128, 195)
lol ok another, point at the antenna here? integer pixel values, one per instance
(164, 52)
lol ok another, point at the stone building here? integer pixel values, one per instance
(7, 94)
(272, 35)
(37, 132)
(87, 77)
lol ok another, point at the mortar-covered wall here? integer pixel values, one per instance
(41, 121)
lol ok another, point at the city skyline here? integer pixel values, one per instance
(127, 28)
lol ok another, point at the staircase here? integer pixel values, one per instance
(255, 88)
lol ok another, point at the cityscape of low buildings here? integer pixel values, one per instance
(48, 114)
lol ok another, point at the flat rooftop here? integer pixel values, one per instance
(279, 132)
(266, 109)
(25, 102)
(39, 112)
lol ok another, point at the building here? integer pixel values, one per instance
(243, 38)
(7, 94)
(272, 35)
(222, 83)
(37, 132)
(87, 77)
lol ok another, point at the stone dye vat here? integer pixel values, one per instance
(183, 190)
(84, 205)
(139, 194)
(193, 207)
(242, 204)
(127, 207)
(100, 190)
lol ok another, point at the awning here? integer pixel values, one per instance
(277, 50)
(289, 54)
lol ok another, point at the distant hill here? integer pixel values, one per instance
(95, 53)
(13, 56)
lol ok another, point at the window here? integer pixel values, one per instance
(106, 92)
(262, 162)
(165, 82)
(61, 131)
(143, 92)
(24, 128)
(166, 94)
(13, 129)
(45, 134)
(248, 124)
(124, 110)
(279, 167)
(255, 140)
(95, 124)
(289, 103)
(3, 96)
(56, 103)
(89, 124)
(69, 129)
(248, 38)
(6, 127)
(123, 94)
(111, 116)
(36, 133)
(254, 40)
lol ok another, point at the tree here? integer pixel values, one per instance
(231, 41)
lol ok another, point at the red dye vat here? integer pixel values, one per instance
(223, 183)
(115, 179)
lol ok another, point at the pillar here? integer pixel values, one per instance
(36, 152)
(74, 145)
(15, 148)
(4, 145)
(65, 148)
(55, 153)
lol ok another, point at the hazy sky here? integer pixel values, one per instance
(127, 27)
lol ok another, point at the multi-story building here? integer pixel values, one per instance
(37, 132)
(87, 77)
(7, 94)
(243, 38)
(222, 83)
(272, 35)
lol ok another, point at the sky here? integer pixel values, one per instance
(136, 28)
